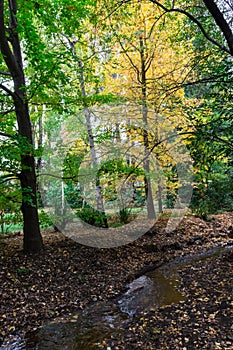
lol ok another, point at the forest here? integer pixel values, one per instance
(115, 117)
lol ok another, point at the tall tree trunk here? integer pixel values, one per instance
(94, 161)
(40, 138)
(148, 188)
(160, 202)
(39, 146)
(32, 236)
(13, 59)
(160, 188)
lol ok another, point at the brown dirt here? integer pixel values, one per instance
(67, 276)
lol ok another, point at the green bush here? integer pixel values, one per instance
(217, 197)
(73, 196)
(125, 215)
(44, 219)
(10, 222)
(92, 217)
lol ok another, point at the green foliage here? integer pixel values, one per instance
(73, 196)
(170, 199)
(10, 222)
(214, 195)
(103, 99)
(10, 201)
(125, 215)
(56, 36)
(211, 146)
(45, 219)
(119, 179)
(139, 197)
(92, 217)
(120, 166)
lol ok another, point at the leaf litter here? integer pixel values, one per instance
(65, 278)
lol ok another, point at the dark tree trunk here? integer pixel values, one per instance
(13, 59)
(32, 237)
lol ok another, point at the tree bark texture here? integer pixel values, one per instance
(13, 59)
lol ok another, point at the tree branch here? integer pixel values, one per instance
(4, 45)
(198, 23)
(7, 112)
(9, 179)
(57, 176)
(6, 135)
(221, 22)
(5, 73)
(4, 88)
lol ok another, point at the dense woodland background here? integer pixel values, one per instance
(113, 108)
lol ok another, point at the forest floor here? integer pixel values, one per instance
(68, 276)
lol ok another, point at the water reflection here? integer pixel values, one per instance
(152, 290)
(104, 320)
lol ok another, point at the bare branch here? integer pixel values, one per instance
(9, 178)
(7, 112)
(5, 73)
(129, 58)
(6, 135)
(221, 22)
(8, 91)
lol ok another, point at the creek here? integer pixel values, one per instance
(102, 320)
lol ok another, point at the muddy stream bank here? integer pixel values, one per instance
(101, 320)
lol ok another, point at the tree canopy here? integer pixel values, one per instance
(113, 109)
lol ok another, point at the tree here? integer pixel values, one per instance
(217, 13)
(12, 55)
(94, 160)
(143, 80)
(210, 83)
(222, 23)
(81, 85)
(150, 70)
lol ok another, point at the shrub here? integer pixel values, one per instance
(44, 219)
(125, 215)
(92, 217)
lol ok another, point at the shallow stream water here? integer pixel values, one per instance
(103, 320)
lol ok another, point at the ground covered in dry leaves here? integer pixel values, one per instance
(68, 276)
